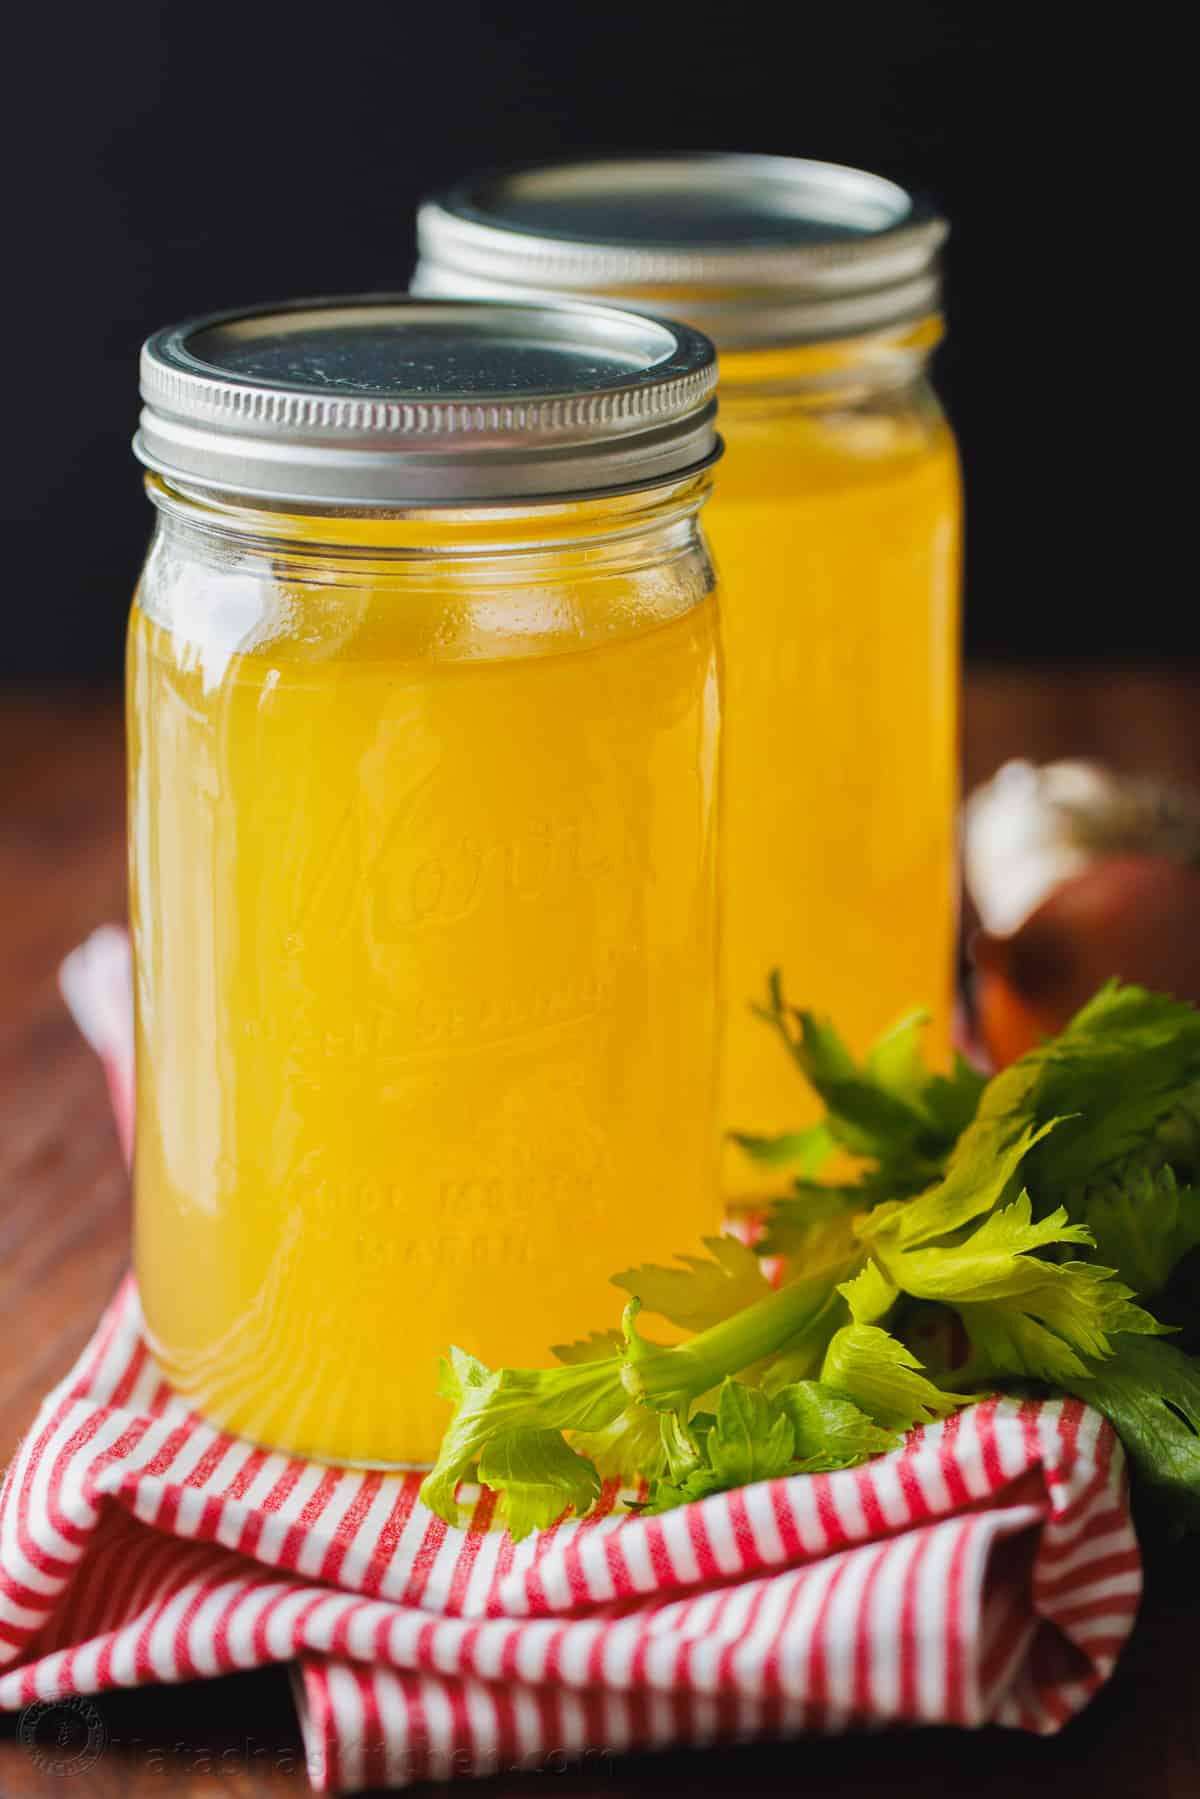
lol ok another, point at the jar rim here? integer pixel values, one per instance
(752, 249)
(381, 400)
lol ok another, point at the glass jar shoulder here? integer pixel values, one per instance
(782, 447)
(836, 417)
(212, 599)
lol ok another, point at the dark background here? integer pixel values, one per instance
(161, 160)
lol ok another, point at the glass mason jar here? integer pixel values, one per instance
(836, 524)
(423, 719)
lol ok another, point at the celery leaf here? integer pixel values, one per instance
(1067, 1312)
(1142, 1222)
(882, 1377)
(1118, 1068)
(702, 1291)
(808, 1150)
(1150, 1393)
(491, 1406)
(749, 1439)
(891, 1109)
(536, 1478)
(829, 1430)
(980, 1173)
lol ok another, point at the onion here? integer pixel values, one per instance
(1133, 916)
(1029, 828)
(1077, 874)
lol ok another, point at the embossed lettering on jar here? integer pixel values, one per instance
(423, 730)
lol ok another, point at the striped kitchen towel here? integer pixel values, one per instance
(985, 1572)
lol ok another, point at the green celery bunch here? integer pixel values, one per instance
(1031, 1226)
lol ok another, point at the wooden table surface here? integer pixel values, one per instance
(64, 1222)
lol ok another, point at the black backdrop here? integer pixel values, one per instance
(162, 159)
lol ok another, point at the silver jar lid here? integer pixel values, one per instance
(751, 249)
(384, 400)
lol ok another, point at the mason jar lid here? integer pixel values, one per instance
(751, 249)
(384, 400)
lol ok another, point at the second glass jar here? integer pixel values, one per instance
(836, 524)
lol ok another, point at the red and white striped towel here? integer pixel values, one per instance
(986, 1572)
